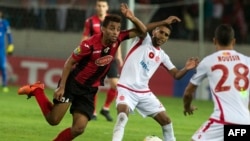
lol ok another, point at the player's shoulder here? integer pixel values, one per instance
(93, 18)
(146, 40)
(95, 39)
(89, 18)
(243, 57)
(242, 54)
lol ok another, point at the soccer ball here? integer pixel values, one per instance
(152, 138)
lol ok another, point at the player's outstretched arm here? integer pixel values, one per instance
(191, 63)
(168, 21)
(140, 29)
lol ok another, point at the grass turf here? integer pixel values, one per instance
(22, 120)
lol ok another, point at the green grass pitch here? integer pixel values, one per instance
(22, 120)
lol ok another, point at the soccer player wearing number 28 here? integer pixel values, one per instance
(228, 74)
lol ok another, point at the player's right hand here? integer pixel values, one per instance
(58, 93)
(126, 11)
(189, 111)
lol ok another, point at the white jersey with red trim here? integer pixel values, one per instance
(228, 73)
(140, 64)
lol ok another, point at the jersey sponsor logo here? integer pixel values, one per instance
(77, 50)
(104, 60)
(144, 65)
(226, 53)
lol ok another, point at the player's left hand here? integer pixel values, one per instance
(126, 11)
(192, 63)
(10, 49)
(172, 19)
(189, 110)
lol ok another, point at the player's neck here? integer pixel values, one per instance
(101, 16)
(106, 42)
(225, 48)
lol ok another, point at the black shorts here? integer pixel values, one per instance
(81, 97)
(113, 70)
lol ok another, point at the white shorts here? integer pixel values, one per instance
(146, 103)
(209, 131)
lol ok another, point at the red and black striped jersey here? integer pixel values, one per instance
(94, 59)
(92, 26)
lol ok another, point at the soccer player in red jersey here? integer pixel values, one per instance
(83, 72)
(93, 26)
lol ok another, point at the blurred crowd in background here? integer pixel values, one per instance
(69, 15)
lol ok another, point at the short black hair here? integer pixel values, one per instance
(169, 26)
(224, 33)
(111, 18)
(102, 1)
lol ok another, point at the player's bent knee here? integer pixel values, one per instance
(77, 131)
(162, 118)
(53, 121)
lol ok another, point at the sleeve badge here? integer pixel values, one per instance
(77, 50)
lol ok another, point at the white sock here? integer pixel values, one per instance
(121, 122)
(168, 132)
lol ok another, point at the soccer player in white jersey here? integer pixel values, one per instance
(141, 62)
(228, 75)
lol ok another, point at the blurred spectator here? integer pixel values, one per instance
(76, 15)
(188, 24)
(42, 24)
(194, 15)
(246, 8)
(217, 13)
(239, 22)
(61, 14)
(208, 15)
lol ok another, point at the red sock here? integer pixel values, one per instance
(111, 94)
(65, 135)
(42, 100)
(95, 101)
